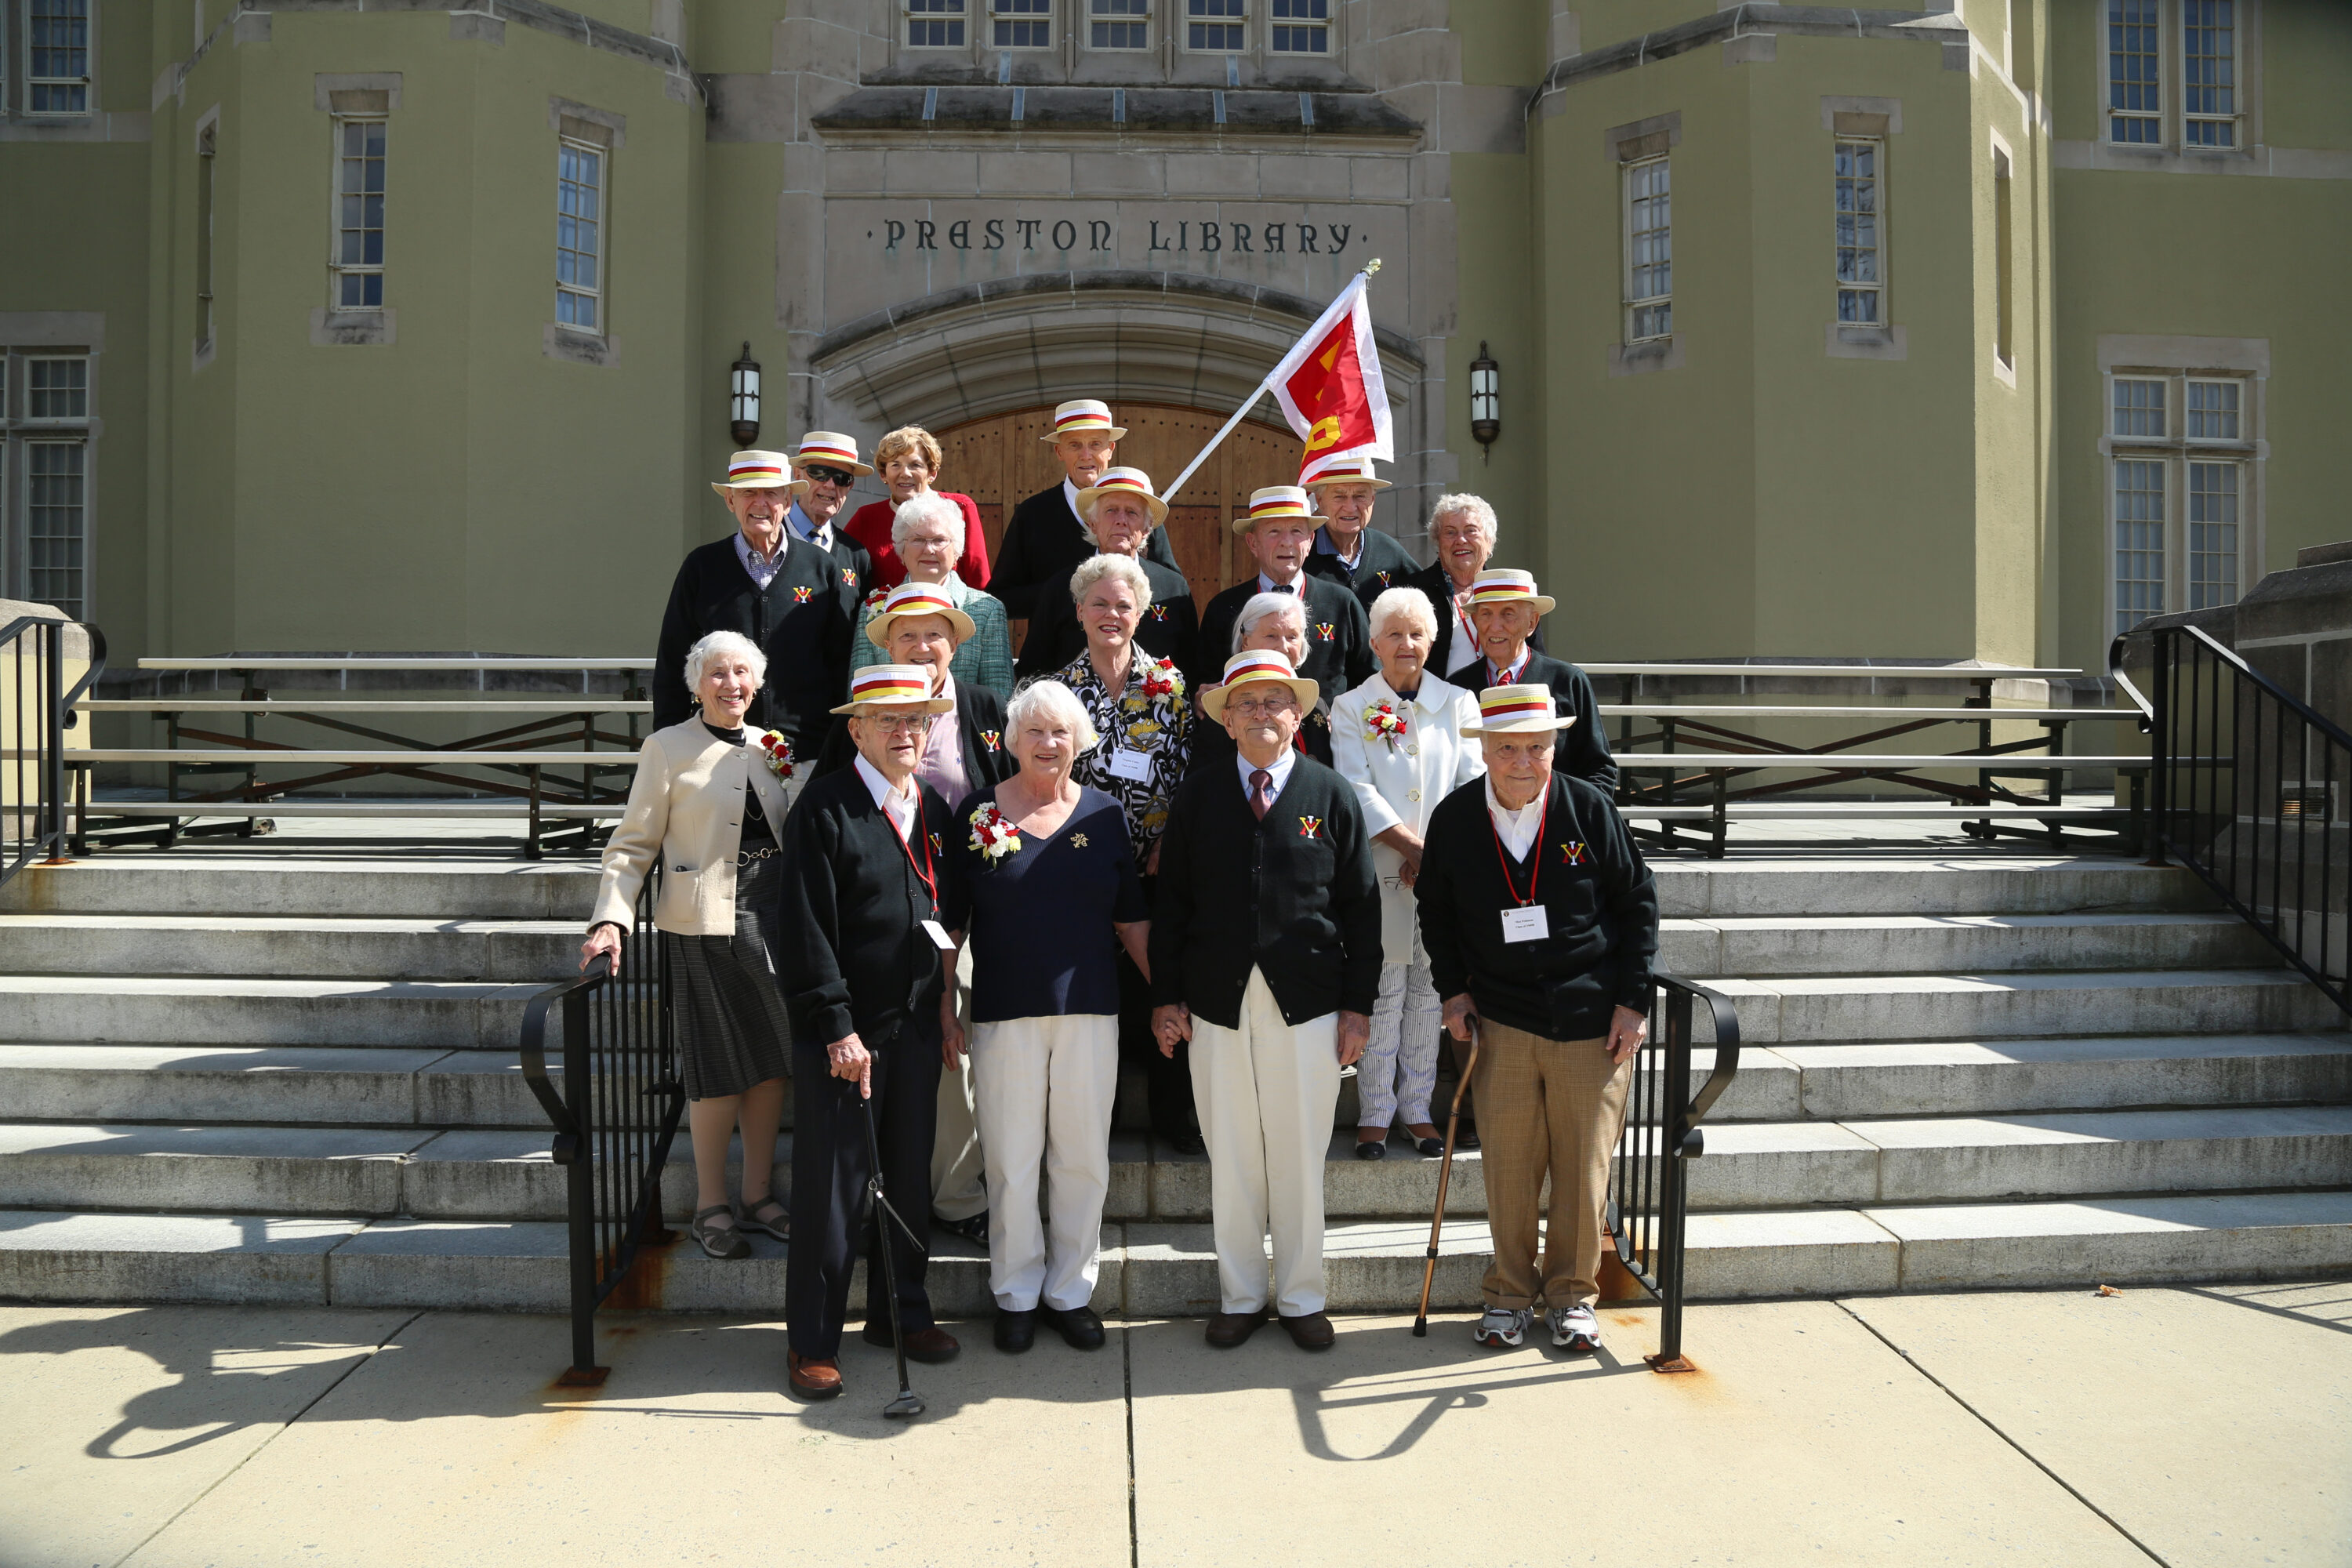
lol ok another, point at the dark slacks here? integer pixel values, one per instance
(1167, 1082)
(831, 1219)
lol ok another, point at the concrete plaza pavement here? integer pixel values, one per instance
(2181, 1425)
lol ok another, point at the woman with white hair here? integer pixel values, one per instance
(929, 535)
(1273, 621)
(1397, 738)
(708, 803)
(1038, 870)
(1462, 531)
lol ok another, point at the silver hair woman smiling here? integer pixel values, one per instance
(929, 535)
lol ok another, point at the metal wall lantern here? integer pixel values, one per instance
(743, 399)
(1485, 398)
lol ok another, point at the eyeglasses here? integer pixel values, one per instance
(897, 723)
(1263, 707)
(830, 476)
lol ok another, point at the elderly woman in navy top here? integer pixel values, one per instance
(1039, 871)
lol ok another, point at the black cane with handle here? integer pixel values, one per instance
(1445, 1176)
(907, 1404)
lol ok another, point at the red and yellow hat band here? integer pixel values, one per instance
(921, 603)
(890, 683)
(1277, 506)
(810, 452)
(1504, 704)
(1501, 591)
(754, 470)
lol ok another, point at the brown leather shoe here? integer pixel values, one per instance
(1227, 1330)
(812, 1377)
(1310, 1331)
(931, 1345)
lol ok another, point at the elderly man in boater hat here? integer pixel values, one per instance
(1265, 954)
(1280, 533)
(828, 467)
(1046, 537)
(1122, 517)
(1504, 610)
(859, 966)
(1348, 548)
(783, 593)
(1542, 922)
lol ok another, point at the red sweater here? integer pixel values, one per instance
(870, 526)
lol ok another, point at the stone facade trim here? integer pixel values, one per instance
(1744, 21)
(2125, 351)
(374, 92)
(54, 329)
(1132, 110)
(1645, 358)
(353, 329)
(1849, 116)
(602, 126)
(1642, 138)
(1846, 341)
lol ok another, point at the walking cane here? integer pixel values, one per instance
(907, 1404)
(1445, 1174)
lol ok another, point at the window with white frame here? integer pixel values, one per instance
(1216, 25)
(2139, 409)
(45, 425)
(1649, 251)
(1299, 27)
(359, 214)
(57, 56)
(579, 228)
(2182, 461)
(1861, 252)
(1119, 24)
(935, 24)
(56, 521)
(57, 390)
(2212, 535)
(2135, 76)
(2214, 410)
(1020, 24)
(208, 157)
(2209, 73)
(2140, 541)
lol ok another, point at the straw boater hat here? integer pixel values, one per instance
(1499, 586)
(831, 448)
(758, 471)
(1122, 482)
(1081, 417)
(1355, 471)
(888, 687)
(1254, 664)
(910, 599)
(1274, 501)
(1524, 709)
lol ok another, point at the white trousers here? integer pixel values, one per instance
(1399, 1070)
(1265, 1092)
(1044, 1092)
(958, 1178)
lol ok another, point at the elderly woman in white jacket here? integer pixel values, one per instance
(1398, 739)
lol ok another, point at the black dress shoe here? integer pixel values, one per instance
(972, 1229)
(1229, 1329)
(1015, 1331)
(1185, 1143)
(1464, 1140)
(1081, 1329)
(931, 1345)
(1371, 1150)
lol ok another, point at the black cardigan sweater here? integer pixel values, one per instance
(802, 622)
(851, 952)
(1170, 627)
(1438, 588)
(979, 730)
(1293, 896)
(1599, 899)
(1043, 542)
(1383, 564)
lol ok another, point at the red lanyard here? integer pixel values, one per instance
(930, 881)
(1536, 848)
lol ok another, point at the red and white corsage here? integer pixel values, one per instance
(993, 835)
(778, 751)
(1383, 723)
(1160, 679)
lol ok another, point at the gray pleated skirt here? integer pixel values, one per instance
(728, 1008)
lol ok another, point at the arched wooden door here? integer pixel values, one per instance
(1000, 462)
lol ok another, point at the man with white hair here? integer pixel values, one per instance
(1122, 517)
(1339, 657)
(1045, 540)
(1348, 548)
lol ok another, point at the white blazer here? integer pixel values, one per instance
(1402, 786)
(683, 807)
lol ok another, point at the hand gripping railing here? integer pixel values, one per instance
(1649, 1197)
(2246, 790)
(36, 708)
(614, 1115)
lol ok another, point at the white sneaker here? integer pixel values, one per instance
(1503, 1328)
(1574, 1328)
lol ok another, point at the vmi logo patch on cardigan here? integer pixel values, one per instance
(1573, 853)
(1309, 827)
(990, 736)
(848, 577)
(800, 595)
(1326, 630)
(1158, 612)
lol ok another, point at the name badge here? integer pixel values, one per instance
(1529, 924)
(938, 935)
(1130, 764)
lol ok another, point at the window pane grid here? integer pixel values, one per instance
(1023, 23)
(56, 36)
(1120, 25)
(935, 24)
(1650, 251)
(2139, 409)
(359, 234)
(2208, 47)
(2212, 535)
(2140, 541)
(1205, 30)
(2213, 411)
(578, 217)
(1857, 232)
(1291, 37)
(57, 389)
(55, 504)
(2134, 98)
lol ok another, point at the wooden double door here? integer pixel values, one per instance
(1000, 462)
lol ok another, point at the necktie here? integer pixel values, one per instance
(1504, 678)
(1283, 588)
(1261, 793)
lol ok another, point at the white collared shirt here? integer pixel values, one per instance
(1266, 584)
(899, 807)
(1519, 667)
(761, 572)
(1279, 769)
(1070, 499)
(818, 534)
(1518, 828)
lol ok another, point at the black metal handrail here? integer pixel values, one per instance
(1649, 1198)
(2244, 791)
(39, 711)
(614, 1115)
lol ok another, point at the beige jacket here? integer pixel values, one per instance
(682, 807)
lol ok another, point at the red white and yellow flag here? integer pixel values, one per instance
(1330, 389)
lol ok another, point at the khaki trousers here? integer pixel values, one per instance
(959, 1171)
(1553, 1108)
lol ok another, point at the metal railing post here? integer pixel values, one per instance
(2159, 748)
(53, 780)
(580, 1190)
(1676, 1138)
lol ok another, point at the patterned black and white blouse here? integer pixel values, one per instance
(1145, 738)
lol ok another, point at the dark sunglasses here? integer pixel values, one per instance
(831, 475)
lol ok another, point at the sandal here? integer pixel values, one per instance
(723, 1242)
(781, 1227)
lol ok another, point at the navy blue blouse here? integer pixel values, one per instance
(1039, 919)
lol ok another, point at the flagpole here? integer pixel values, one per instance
(1247, 404)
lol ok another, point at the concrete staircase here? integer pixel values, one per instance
(1996, 1069)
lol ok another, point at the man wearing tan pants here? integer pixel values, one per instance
(1541, 921)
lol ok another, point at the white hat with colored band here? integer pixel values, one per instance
(832, 449)
(1122, 482)
(912, 599)
(1083, 416)
(758, 471)
(1273, 501)
(1504, 586)
(1525, 709)
(1352, 470)
(893, 687)
(1256, 664)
